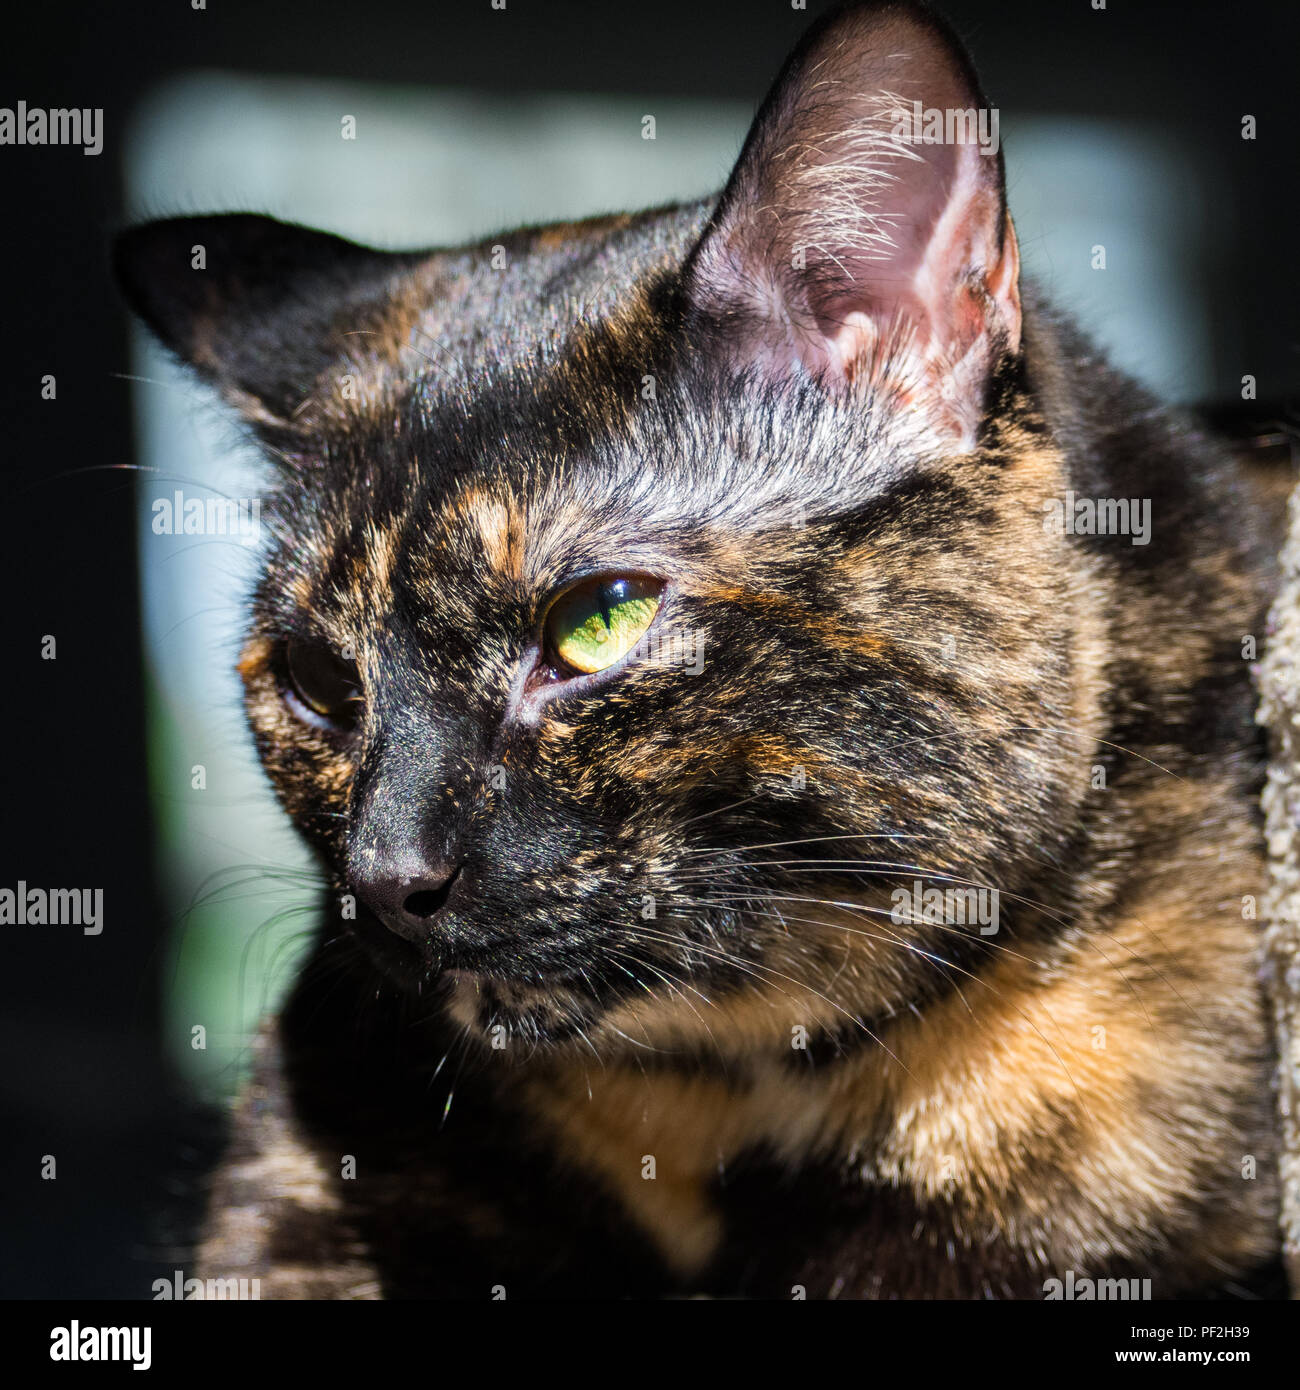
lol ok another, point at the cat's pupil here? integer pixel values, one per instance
(599, 620)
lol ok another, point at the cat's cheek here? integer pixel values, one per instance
(311, 779)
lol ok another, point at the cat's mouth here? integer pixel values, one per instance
(479, 1000)
(399, 961)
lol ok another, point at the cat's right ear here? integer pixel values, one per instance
(258, 307)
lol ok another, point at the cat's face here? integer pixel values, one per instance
(648, 598)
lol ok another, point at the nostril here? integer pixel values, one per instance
(427, 901)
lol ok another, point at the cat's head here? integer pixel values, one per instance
(648, 598)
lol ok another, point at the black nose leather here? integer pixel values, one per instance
(408, 901)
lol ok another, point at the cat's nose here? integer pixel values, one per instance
(409, 899)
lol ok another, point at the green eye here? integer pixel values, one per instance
(600, 620)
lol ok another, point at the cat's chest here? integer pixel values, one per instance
(762, 1184)
(666, 1144)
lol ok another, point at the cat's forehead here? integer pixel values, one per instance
(510, 366)
(526, 411)
(554, 468)
(527, 295)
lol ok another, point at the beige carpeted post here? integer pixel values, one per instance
(1280, 712)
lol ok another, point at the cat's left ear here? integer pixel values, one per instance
(863, 235)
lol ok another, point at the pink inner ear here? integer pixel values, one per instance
(925, 311)
(950, 283)
(849, 244)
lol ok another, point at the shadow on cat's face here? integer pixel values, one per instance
(653, 599)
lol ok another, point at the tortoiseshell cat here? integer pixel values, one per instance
(653, 607)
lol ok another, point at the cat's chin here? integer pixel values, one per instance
(501, 1012)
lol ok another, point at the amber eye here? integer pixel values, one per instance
(599, 621)
(323, 687)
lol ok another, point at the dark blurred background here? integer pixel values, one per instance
(83, 1071)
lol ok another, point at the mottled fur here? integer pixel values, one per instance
(907, 676)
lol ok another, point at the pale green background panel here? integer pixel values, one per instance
(440, 168)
